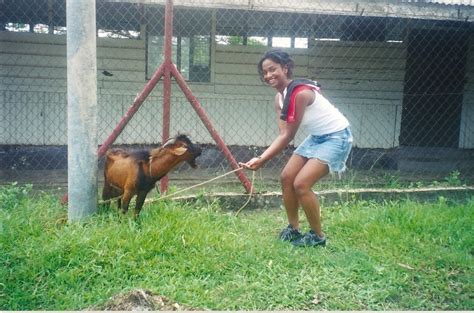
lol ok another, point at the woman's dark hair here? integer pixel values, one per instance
(277, 56)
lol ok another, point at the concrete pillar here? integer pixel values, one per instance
(81, 108)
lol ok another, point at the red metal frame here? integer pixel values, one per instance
(202, 114)
(168, 62)
(166, 70)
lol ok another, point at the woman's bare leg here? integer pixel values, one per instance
(311, 173)
(287, 178)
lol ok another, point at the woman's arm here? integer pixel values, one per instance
(287, 131)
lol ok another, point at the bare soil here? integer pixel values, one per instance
(140, 300)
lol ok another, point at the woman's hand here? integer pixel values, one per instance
(254, 164)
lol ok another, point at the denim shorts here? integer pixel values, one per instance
(332, 149)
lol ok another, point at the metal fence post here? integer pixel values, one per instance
(81, 108)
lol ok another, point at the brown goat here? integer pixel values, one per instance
(135, 173)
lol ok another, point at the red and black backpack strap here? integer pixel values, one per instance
(288, 111)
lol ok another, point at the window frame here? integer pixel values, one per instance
(178, 54)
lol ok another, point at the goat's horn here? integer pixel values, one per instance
(168, 142)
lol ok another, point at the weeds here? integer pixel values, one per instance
(12, 195)
(392, 181)
(453, 179)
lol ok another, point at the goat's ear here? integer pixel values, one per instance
(179, 150)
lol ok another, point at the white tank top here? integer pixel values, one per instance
(320, 117)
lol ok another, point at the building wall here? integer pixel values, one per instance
(365, 80)
(466, 138)
(368, 89)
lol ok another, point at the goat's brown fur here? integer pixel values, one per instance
(127, 174)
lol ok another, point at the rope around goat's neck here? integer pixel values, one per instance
(149, 165)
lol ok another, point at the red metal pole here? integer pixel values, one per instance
(202, 114)
(167, 81)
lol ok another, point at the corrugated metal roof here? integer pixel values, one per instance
(251, 3)
(447, 2)
(429, 9)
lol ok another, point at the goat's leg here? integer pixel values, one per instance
(107, 193)
(126, 197)
(139, 203)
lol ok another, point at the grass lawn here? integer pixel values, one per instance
(380, 256)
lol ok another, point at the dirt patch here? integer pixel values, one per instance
(140, 300)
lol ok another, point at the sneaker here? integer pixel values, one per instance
(290, 234)
(310, 239)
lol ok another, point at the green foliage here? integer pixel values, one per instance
(392, 181)
(235, 40)
(12, 195)
(454, 179)
(380, 256)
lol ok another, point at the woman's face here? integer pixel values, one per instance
(275, 74)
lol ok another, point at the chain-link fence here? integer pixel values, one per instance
(401, 71)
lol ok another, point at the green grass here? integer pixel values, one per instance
(380, 256)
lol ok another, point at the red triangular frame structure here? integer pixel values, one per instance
(166, 70)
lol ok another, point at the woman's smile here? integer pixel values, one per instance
(274, 74)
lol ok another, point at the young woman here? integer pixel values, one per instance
(326, 148)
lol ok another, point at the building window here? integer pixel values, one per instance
(289, 42)
(191, 55)
(241, 40)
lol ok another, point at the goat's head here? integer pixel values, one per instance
(182, 146)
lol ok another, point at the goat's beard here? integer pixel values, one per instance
(192, 163)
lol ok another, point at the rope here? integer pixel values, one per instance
(109, 200)
(197, 185)
(250, 195)
(208, 181)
